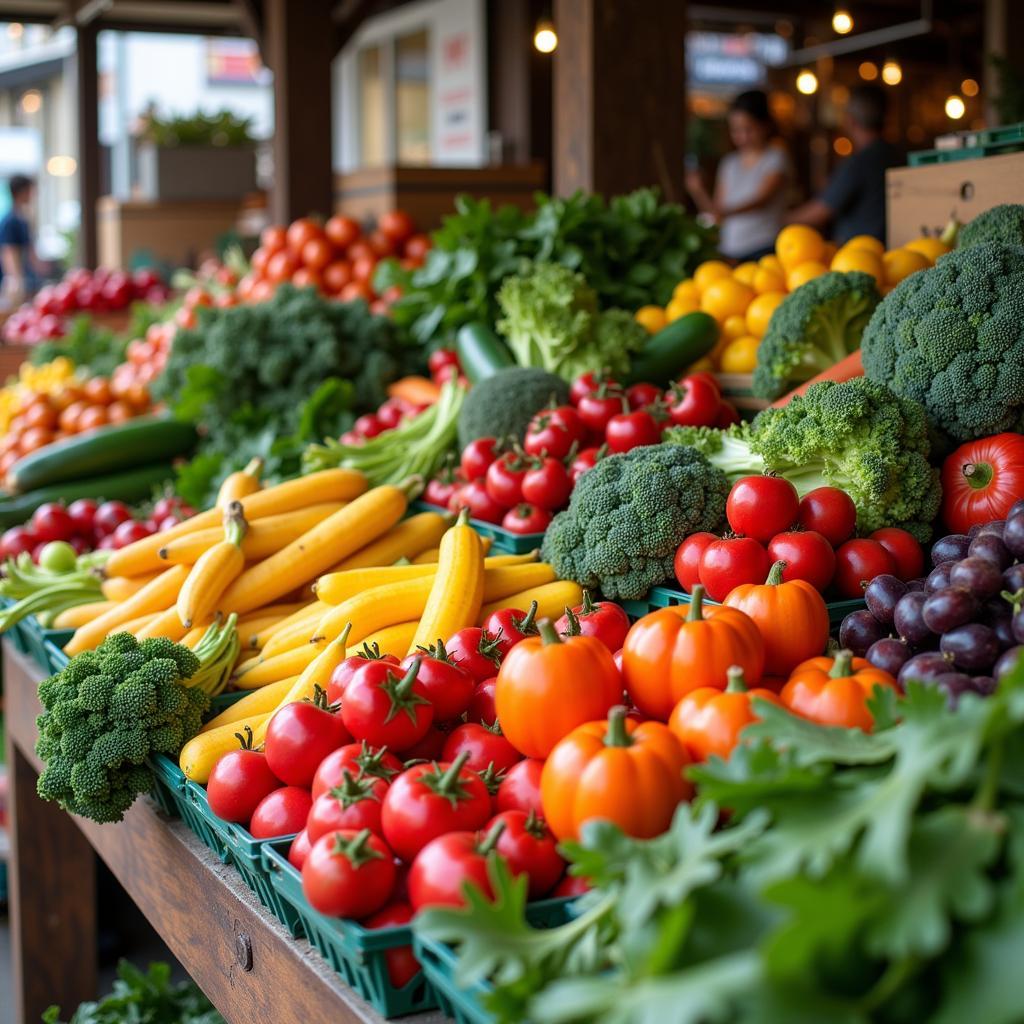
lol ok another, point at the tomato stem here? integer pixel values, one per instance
(696, 612)
(527, 624)
(617, 734)
(548, 633)
(977, 474)
(775, 573)
(246, 740)
(355, 850)
(842, 665)
(449, 780)
(353, 789)
(572, 622)
(490, 841)
(587, 608)
(736, 684)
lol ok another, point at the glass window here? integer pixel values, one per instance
(412, 98)
(373, 119)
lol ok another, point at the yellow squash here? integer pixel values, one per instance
(214, 571)
(551, 598)
(404, 540)
(167, 624)
(240, 484)
(204, 750)
(259, 702)
(288, 663)
(392, 639)
(72, 618)
(120, 588)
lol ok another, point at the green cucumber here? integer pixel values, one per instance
(123, 446)
(133, 485)
(481, 352)
(673, 348)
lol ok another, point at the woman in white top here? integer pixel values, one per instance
(749, 200)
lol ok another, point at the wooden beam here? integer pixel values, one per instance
(87, 80)
(299, 48)
(619, 95)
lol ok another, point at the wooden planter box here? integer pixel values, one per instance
(177, 173)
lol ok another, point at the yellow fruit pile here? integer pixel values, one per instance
(743, 298)
(32, 381)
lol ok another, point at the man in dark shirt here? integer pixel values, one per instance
(853, 202)
(16, 266)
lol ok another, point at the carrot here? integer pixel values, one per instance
(420, 390)
(845, 369)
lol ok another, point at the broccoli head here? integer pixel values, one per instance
(628, 515)
(1004, 223)
(952, 338)
(812, 329)
(503, 405)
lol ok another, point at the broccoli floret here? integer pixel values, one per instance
(186, 663)
(952, 338)
(1003, 223)
(812, 329)
(94, 693)
(504, 404)
(628, 515)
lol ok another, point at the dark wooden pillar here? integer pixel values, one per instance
(619, 95)
(87, 80)
(298, 44)
(1004, 37)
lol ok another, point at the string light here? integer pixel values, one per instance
(868, 71)
(545, 38)
(842, 145)
(32, 101)
(61, 166)
(842, 21)
(892, 73)
(955, 107)
(807, 83)
(969, 87)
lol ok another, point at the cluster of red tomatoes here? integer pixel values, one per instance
(336, 257)
(88, 525)
(80, 291)
(769, 523)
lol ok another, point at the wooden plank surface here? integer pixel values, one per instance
(239, 955)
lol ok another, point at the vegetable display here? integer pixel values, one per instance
(503, 405)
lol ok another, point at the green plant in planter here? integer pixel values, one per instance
(220, 129)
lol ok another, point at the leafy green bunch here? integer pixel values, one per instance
(858, 879)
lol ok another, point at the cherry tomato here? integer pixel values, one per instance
(481, 705)
(547, 484)
(238, 783)
(52, 522)
(317, 253)
(642, 395)
(485, 746)
(904, 549)
(282, 812)
(477, 457)
(401, 965)
(571, 886)
(440, 491)
(694, 402)
(385, 708)
(481, 505)
(476, 650)
(808, 556)
(687, 559)
(368, 425)
(525, 518)
(504, 479)
(588, 384)
(446, 865)
(429, 800)
(337, 275)
(273, 239)
(553, 432)
(397, 225)
(17, 540)
(429, 748)
(299, 232)
(629, 430)
(417, 247)
(730, 561)
(441, 358)
(447, 686)
(510, 625)
(110, 515)
(359, 759)
(129, 532)
(530, 849)
(762, 506)
(605, 620)
(830, 512)
(299, 850)
(858, 562)
(300, 735)
(342, 231)
(520, 788)
(584, 460)
(348, 874)
(354, 804)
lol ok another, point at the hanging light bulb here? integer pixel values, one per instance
(955, 107)
(807, 82)
(969, 87)
(545, 38)
(842, 21)
(892, 73)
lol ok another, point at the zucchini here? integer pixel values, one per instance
(131, 486)
(674, 348)
(481, 352)
(123, 446)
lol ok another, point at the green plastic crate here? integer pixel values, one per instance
(974, 145)
(503, 542)
(463, 1005)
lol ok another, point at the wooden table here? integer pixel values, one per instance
(239, 955)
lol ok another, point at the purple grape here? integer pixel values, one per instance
(939, 576)
(859, 631)
(1003, 629)
(918, 584)
(925, 668)
(1013, 578)
(974, 531)
(881, 595)
(974, 647)
(1013, 535)
(1016, 508)
(993, 526)
(983, 579)
(889, 655)
(948, 608)
(950, 549)
(1017, 625)
(992, 548)
(1008, 661)
(984, 686)
(907, 619)
(953, 685)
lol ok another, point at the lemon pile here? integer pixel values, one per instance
(743, 298)
(32, 381)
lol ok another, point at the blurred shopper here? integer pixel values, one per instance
(17, 267)
(853, 202)
(749, 201)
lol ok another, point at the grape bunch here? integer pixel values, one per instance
(961, 628)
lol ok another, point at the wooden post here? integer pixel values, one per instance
(298, 43)
(619, 95)
(87, 80)
(1004, 37)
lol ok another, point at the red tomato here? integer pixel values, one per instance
(830, 512)
(504, 479)
(687, 559)
(273, 239)
(359, 759)
(355, 804)
(300, 232)
(597, 407)
(694, 402)
(282, 812)
(440, 491)
(808, 556)
(342, 231)
(629, 430)
(363, 269)
(520, 788)
(440, 359)
(525, 518)
(402, 966)
(300, 735)
(368, 425)
(342, 675)
(196, 296)
(390, 414)
(588, 384)
(348, 874)
(553, 432)
(387, 709)
(445, 866)
(586, 459)
(281, 266)
(481, 705)
(605, 620)
(476, 650)
(110, 515)
(858, 562)
(640, 396)
(356, 290)
(129, 532)
(904, 549)
(299, 850)
(762, 506)
(547, 484)
(317, 253)
(981, 480)
(530, 849)
(477, 457)
(336, 275)
(396, 225)
(382, 246)
(730, 561)
(484, 745)
(83, 515)
(447, 686)
(727, 416)
(429, 748)
(52, 522)
(429, 800)
(238, 783)
(571, 886)
(481, 505)
(510, 625)
(417, 247)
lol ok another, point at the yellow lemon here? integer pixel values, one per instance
(859, 259)
(687, 290)
(651, 318)
(740, 356)
(710, 270)
(868, 242)
(745, 272)
(901, 263)
(930, 248)
(771, 262)
(797, 244)
(726, 297)
(680, 307)
(804, 272)
(734, 326)
(769, 279)
(759, 312)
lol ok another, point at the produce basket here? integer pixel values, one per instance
(463, 1005)
(17, 634)
(355, 952)
(503, 542)
(971, 145)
